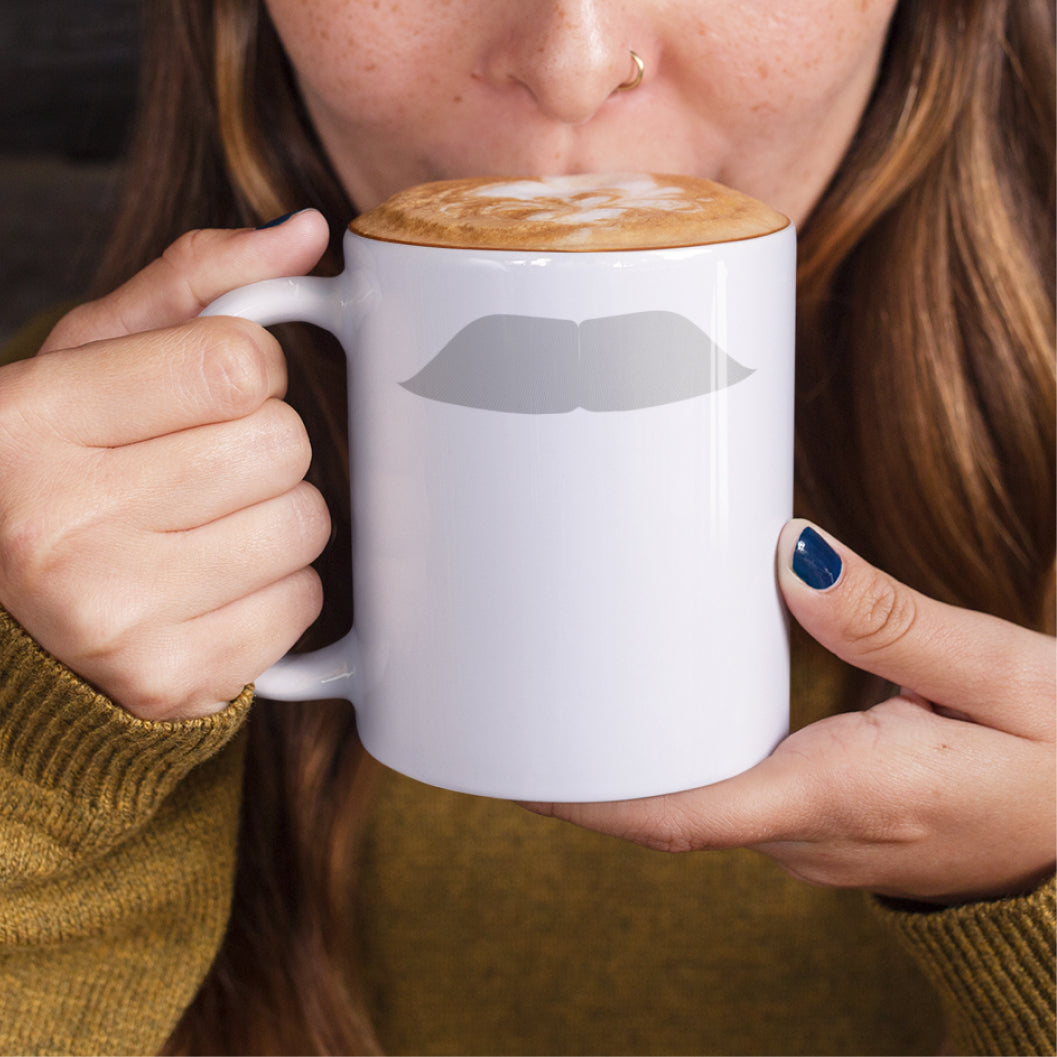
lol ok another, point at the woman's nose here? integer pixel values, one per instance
(569, 55)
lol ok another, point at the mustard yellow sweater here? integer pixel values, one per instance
(484, 929)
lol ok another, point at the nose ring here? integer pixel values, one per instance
(636, 78)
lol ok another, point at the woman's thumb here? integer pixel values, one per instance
(974, 663)
(192, 272)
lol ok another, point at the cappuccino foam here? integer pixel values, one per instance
(585, 212)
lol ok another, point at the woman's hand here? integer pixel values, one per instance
(155, 528)
(944, 793)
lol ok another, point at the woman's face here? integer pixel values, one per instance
(762, 95)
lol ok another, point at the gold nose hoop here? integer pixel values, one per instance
(636, 77)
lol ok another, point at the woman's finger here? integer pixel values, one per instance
(992, 671)
(125, 390)
(183, 480)
(193, 271)
(773, 801)
(198, 671)
(243, 553)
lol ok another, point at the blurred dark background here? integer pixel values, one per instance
(68, 74)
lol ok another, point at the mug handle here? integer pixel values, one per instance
(334, 670)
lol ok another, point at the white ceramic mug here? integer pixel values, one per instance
(569, 472)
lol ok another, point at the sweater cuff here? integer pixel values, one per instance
(992, 964)
(85, 755)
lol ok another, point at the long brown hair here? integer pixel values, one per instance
(925, 405)
(926, 346)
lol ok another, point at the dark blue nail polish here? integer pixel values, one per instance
(815, 561)
(278, 220)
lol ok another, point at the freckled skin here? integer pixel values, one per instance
(762, 95)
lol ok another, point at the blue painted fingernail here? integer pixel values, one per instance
(278, 220)
(815, 561)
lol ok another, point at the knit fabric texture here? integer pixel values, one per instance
(482, 928)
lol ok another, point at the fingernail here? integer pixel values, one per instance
(279, 220)
(815, 561)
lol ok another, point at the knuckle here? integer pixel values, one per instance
(310, 591)
(234, 368)
(884, 613)
(20, 424)
(110, 618)
(1025, 666)
(23, 541)
(95, 632)
(150, 694)
(170, 677)
(293, 606)
(188, 262)
(311, 516)
(34, 402)
(188, 250)
(284, 438)
(36, 549)
(185, 678)
(160, 676)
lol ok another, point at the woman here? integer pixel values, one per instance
(156, 538)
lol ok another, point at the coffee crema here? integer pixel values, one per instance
(579, 213)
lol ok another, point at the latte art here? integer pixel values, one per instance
(586, 212)
(579, 200)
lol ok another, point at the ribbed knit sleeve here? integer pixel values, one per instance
(117, 854)
(993, 966)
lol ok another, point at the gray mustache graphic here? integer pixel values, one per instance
(533, 365)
